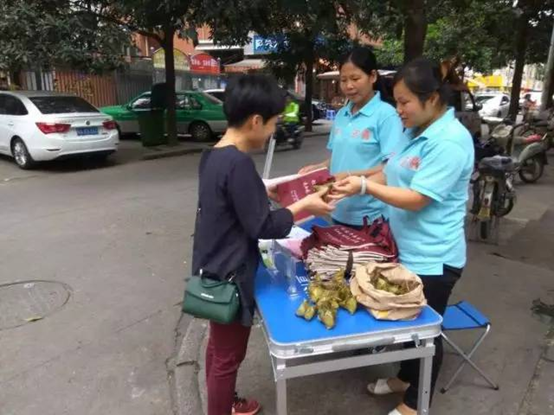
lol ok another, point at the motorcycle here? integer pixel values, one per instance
(288, 134)
(527, 147)
(492, 185)
(494, 195)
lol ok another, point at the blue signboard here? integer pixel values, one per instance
(263, 45)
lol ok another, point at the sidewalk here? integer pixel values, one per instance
(519, 352)
(515, 354)
(131, 149)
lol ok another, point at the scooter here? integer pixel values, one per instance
(492, 183)
(289, 134)
(527, 148)
(494, 195)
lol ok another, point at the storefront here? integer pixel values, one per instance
(182, 69)
(206, 72)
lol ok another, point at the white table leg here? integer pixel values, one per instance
(425, 368)
(281, 387)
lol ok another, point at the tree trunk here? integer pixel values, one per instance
(309, 91)
(548, 88)
(169, 34)
(15, 78)
(522, 31)
(415, 24)
(550, 91)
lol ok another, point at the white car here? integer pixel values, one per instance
(41, 126)
(218, 93)
(494, 105)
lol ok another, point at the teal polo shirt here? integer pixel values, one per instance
(438, 164)
(360, 142)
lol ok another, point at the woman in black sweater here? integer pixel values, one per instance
(233, 213)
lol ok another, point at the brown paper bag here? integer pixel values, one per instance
(382, 304)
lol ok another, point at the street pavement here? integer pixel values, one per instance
(119, 237)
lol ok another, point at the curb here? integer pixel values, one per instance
(171, 153)
(187, 394)
(315, 134)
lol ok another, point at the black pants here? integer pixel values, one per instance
(437, 289)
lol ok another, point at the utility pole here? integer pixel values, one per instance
(547, 88)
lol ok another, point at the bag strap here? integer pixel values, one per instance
(349, 265)
(229, 278)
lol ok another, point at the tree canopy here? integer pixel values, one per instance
(38, 34)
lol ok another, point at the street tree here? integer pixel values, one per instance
(38, 34)
(305, 33)
(530, 14)
(160, 20)
(472, 33)
(398, 20)
(481, 34)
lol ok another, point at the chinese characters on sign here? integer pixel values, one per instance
(264, 45)
(204, 63)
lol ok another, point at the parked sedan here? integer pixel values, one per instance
(198, 114)
(40, 126)
(318, 107)
(494, 105)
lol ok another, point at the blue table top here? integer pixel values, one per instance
(278, 309)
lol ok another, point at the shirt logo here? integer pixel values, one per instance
(366, 134)
(355, 133)
(411, 162)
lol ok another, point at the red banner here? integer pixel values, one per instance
(204, 63)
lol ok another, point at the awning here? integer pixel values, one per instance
(474, 83)
(245, 65)
(209, 45)
(336, 74)
(329, 75)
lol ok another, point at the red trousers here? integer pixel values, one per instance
(226, 350)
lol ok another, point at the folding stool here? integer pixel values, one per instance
(464, 316)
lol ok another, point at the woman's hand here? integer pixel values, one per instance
(344, 188)
(313, 204)
(316, 205)
(272, 193)
(341, 176)
(309, 168)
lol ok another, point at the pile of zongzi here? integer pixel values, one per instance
(383, 284)
(325, 297)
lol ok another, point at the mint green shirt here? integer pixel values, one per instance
(360, 142)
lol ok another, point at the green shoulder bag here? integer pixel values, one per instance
(211, 299)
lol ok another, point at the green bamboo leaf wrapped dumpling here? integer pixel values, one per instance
(310, 312)
(301, 311)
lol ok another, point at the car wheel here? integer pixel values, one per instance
(200, 131)
(21, 154)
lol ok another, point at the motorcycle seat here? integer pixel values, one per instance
(500, 164)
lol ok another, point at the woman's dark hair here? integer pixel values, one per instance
(363, 57)
(248, 95)
(423, 77)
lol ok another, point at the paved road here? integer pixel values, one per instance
(119, 237)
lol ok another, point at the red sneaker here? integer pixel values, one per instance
(243, 406)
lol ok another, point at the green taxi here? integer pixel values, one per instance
(198, 114)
